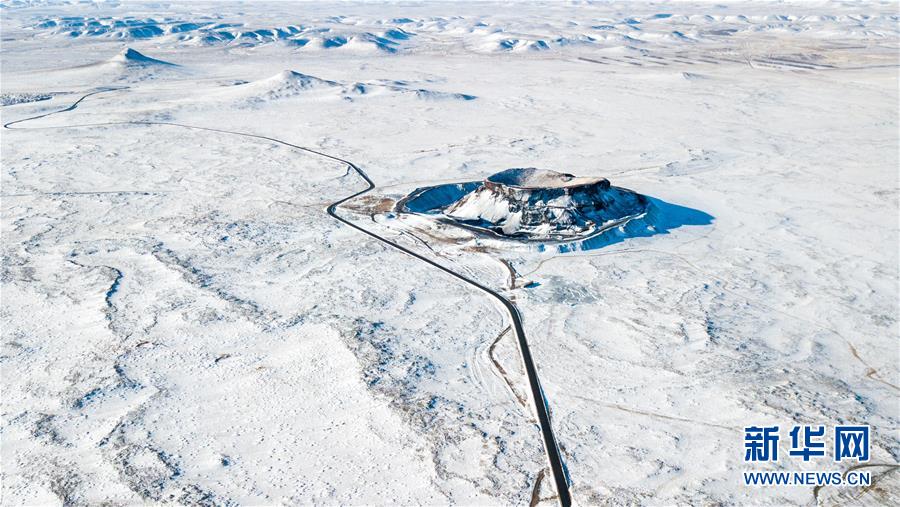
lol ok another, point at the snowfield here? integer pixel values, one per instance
(184, 323)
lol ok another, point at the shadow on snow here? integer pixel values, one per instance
(661, 218)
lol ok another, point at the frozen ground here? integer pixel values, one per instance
(183, 322)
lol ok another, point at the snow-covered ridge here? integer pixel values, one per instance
(290, 83)
(216, 32)
(531, 204)
(474, 32)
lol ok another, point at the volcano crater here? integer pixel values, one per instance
(530, 204)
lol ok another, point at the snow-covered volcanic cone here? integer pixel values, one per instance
(132, 58)
(288, 83)
(531, 204)
(128, 65)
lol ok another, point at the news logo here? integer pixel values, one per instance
(807, 442)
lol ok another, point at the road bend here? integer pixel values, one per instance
(541, 407)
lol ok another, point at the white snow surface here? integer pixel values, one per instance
(183, 323)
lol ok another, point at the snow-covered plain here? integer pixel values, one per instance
(182, 321)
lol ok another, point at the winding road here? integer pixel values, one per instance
(541, 407)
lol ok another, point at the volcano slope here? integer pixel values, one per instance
(530, 205)
(182, 322)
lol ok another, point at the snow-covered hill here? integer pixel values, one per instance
(129, 57)
(289, 84)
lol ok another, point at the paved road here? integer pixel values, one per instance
(557, 468)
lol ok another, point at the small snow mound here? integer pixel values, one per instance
(296, 80)
(287, 83)
(436, 95)
(131, 57)
(360, 42)
(368, 42)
